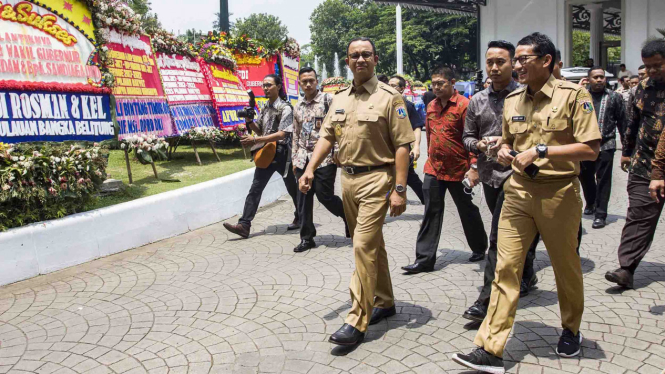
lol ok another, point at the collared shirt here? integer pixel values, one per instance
(645, 128)
(614, 117)
(307, 121)
(484, 118)
(560, 113)
(447, 160)
(625, 95)
(369, 123)
(266, 120)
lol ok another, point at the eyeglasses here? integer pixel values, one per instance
(524, 59)
(365, 55)
(439, 83)
(267, 85)
(394, 85)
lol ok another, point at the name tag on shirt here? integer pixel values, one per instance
(519, 118)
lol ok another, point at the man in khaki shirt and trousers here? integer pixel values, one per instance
(370, 123)
(552, 126)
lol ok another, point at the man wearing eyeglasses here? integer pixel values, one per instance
(370, 123)
(551, 124)
(448, 164)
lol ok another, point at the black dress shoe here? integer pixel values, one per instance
(477, 257)
(598, 223)
(589, 210)
(526, 287)
(417, 268)
(476, 312)
(347, 335)
(304, 245)
(379, 313)
(295, 225)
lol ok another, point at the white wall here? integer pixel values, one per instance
(512, 20)
(640, 18)
(45, 247)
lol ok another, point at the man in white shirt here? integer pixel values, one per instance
(623, 72)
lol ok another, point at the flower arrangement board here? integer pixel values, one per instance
(133, 66)
(228, 94)
(290, 68)
(55, 117)
(47, 45)
(252, 70)
(196, 115)
(148, 116)
(183, 79)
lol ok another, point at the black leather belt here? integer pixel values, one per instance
(353, 170)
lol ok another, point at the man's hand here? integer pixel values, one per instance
(656, 189)
(482, 145)
(584, 81)
(524, 159)
(504, 156)
(415, 153)
(305, 182)
(247, 140)
(472, 174)
(397, 204)
(625, 163)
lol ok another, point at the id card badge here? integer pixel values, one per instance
(318, 122)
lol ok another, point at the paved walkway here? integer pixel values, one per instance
(206, 302)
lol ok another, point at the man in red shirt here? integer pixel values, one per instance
(448, 164)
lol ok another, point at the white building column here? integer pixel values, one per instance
(597, 25)
(400, 63)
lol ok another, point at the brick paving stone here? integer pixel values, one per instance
(208, 302)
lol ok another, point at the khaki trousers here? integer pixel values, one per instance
(553, 208)
(365, 207)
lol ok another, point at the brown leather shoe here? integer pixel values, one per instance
(238, 229)
(620, 276)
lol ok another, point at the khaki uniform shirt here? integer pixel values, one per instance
(369, 123)
(560, 113)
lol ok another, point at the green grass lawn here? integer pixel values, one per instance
(181, 171)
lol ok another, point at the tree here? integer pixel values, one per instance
(215, 23)
(307, 56)
(191, 36)
(149, 20)
(265, 28)
(429, 39)
(581, 42)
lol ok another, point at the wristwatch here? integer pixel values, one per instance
(542, 150)
(474, 166)
(400, 189)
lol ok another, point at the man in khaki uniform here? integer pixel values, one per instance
(552, 125)
(370, 123)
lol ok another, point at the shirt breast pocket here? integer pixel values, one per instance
(367, 123)
(556, 131)
(517, 128)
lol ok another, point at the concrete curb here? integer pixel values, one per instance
(44, 247)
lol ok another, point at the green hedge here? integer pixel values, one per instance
(45, 181)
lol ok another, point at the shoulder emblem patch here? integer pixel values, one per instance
(401, 112)
(587, 107)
